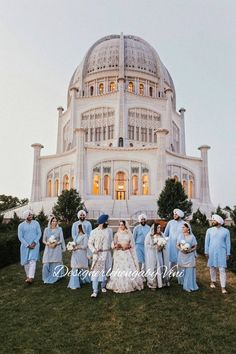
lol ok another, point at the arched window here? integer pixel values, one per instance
(101, 89)
(135, 185)
(185, 186)
(91, 90)
(121, 142)
(96, 184)
(141, 89)
(66, 183)
(112, 86)
(57, 187)
(190, 190)
(150, 91)
(106, 185)
(50, 192)
(131, 87)
(145, 185)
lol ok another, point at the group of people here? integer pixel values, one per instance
(124, 262)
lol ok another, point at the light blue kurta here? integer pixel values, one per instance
(27, 234)
(187, 264)
(52, 257)
(217, 246)
(139, 234)
(172, 230)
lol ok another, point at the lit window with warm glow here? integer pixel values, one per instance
(66, 183)
(57, 187)
(145, 186)
(50, 193)
(112, 87)
(106, 185)
(131, 87)
(101, 89)
(190, 190)
(141, 89)
(135, 185)
(185, 187)
(96, 183)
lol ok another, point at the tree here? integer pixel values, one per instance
(9, 202)
(173, 196)
(42, 218)
(219, 211)
(67, 206)
(199, 219)
(232, 213)
(14, 222)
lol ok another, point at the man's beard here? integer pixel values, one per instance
(143, 223)
(105, 225)
(82, 219)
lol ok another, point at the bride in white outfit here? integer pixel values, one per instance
(125, 276)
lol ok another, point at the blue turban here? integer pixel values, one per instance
(103, 218)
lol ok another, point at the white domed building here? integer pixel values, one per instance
(120, 136)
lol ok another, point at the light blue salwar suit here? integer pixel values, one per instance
(87, 227)
(79, 263)
(52, 257)
(187, 264)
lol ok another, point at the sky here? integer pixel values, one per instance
(43, 41)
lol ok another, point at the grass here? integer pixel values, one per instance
(53, 319)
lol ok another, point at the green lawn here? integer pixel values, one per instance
(53, 319)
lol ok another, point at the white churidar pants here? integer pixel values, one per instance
(30, 269)
(222, 275)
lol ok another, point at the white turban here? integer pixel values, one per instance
(26, 213)
(81, 212)
(142, 216)
(218, 219)
(179, 212)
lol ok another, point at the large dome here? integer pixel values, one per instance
(112, 52)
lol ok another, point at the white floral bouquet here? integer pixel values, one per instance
(160, 242)
(52, 242)
(52, 239)
(185, 246)
(70, 245)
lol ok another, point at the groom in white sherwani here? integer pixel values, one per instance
(100, 245)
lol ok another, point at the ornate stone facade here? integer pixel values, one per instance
(120, 137)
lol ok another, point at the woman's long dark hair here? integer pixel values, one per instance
(156, 225)
(80, 229)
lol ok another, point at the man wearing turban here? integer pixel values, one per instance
(217, 250)
(139, 233)
(172, 230)
(29, 234)
(100, 246)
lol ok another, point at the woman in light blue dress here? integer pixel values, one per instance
(52, 256)
(186, 260)
(79, 260)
